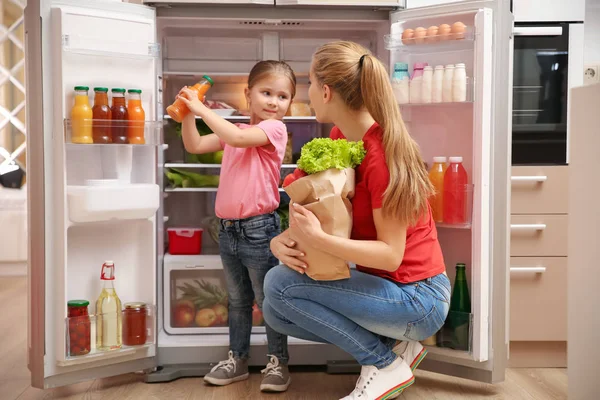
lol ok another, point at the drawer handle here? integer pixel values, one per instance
(533, 178)
(193, 266)
(527, 227)
(536, 270)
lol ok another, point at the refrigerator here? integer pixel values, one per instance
(90, 203)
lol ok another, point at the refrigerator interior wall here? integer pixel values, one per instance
(88, 49)
(456, 129)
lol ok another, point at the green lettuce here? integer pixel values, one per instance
(324, 153)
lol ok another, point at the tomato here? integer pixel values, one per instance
(290, 178)
(81, 329)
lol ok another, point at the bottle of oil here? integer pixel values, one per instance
(108, 311)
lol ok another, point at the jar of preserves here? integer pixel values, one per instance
(79, 335)
(135, 317)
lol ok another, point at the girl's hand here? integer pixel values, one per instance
(282, 247)
(191, 101)
(306, 222)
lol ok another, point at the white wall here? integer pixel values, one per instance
(592, 32)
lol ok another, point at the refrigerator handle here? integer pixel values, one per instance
(538, 31)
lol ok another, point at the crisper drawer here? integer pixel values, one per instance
(195, 296)
(539, 190)
(538, 298)
(538, 235)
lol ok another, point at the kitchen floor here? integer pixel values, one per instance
(542, 384)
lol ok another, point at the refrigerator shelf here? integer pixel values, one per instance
(208, 166)
(101, 46)
(193, 262)
(431, 44)
(152, 132)
(246, 118)
(106, 200)
(203, 189)
(441, 225)
(81, 331)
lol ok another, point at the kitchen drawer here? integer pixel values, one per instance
(539, 190)
(538, 298)
(538, 235)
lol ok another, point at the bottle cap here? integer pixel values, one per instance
(138, 91)
(461, 65)
(438, 67)
(439, 159)
(101, 89)
(456, 159)
(400, 66)
(138, 305)
(78, 88)
(118, 90)
(209, 79)
(420, 65)
(449, 66)
(460, 265)
(428, 68)
(78, 303)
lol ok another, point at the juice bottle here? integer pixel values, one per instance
(119, 116)
(81, 117)
(436, 176)
(178, 110)
(455, 193)
(136, 116)
(108, 311)
(102, 116)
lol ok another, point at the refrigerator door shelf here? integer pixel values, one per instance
(112, 201)
(431, 44)
(151, 130)
(101, 46)
(83, 328)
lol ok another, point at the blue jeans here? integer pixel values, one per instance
(363, 315)
(247, 257)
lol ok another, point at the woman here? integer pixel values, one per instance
(400, 290)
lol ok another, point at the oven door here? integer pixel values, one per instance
(540, 89)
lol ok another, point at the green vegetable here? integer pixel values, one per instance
(208, 158)
(185, 179)
(324, 153)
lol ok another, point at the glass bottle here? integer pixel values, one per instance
(119, 116)
(102, 116)
(460, 309)
(108, 311)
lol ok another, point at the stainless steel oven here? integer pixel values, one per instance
(546, 61)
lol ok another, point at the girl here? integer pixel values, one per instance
(400, 289)
(246, 201)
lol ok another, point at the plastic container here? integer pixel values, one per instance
(448, 84)
(426, 85)
(401, 83)
(455, 193)
(416, 81)
(438, 83)
(185, 240)
(436, 176)
(459, 84)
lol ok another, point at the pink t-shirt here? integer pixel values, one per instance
(249, 182)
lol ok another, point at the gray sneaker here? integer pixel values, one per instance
(228, 371)
(276, 377)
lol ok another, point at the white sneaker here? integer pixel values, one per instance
(382, 384)
(411, 351)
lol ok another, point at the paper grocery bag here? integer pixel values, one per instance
(327, 194)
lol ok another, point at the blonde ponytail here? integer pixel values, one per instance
(362, 81)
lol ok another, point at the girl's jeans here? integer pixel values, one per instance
(247, 257)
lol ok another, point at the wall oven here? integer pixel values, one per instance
(547, 59)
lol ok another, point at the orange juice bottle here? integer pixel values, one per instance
(436, 176)
(136, 117)
(178, 110)
(81, 117)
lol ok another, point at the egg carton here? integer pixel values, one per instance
(397, 42)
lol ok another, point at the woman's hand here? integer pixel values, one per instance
(306, 222)
(282, 247)
(191, 101)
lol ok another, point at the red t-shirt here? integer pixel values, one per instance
(423, 255)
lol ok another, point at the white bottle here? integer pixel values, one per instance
(447, 84)
(459, 83)
(415, 89)
(438, 82)
(401, 83)
(426, 85)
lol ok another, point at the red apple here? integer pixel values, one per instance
(206, 317)
(257, 316)
(183, 313)
(222, 314)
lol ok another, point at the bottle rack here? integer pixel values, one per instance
(81, 331)
(431, 44)
(152, 131)
(467, 194)
(468, 101)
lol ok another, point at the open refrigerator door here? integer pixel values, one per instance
(94, 194)
(455, 104)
